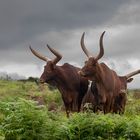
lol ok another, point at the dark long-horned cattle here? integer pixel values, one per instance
(111, 88)
(71, 85)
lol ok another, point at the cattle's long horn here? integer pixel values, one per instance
(56, 53)
(38, 55)
(83, 46)
(132, 73)
(101, 53)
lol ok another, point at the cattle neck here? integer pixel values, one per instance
(99, 74)
(59, 78)
(63, 76)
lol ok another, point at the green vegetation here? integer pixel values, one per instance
(21, 118)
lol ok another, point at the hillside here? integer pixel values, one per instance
(32, 112)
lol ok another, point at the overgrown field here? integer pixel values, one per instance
(22, 118)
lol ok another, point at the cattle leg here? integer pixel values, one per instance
(67, 108)
(120, 102)
(123, 101)
(107, 107)
(94, 109)
(79, 103)
(68, 113)
(104, 108)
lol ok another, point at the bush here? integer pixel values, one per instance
(23, 120)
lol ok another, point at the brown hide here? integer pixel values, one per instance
(109, 82)
(121, 97)
(106, 81)
(120, 94)
(111, 95)
(72, 86)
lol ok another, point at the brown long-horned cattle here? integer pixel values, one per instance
(71, 85)
(111, 96)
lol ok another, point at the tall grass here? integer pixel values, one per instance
(23, 119)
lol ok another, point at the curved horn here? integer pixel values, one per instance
(83, 46)
(132, 73)
(38, 55)
(101, 53)
(57, 54)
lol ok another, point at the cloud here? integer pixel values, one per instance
(24, 20)
(60, 23)
(128, 14)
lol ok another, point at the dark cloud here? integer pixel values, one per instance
(60, 23)
(23, 20)
(128, 14)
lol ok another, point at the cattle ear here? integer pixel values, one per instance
(129, 80)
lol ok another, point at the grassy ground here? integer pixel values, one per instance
(12, 90)
(22, 119)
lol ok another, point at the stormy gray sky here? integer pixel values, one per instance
(60, 23)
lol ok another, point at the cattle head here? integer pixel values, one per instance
(91, 65)
(49, 69)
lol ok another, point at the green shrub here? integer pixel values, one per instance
(23, 120)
